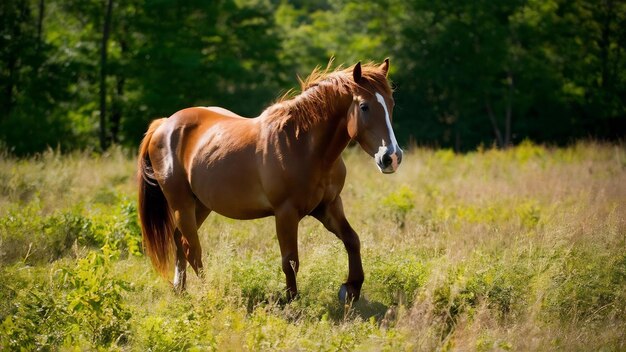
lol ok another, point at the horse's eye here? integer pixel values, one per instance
(364, 107)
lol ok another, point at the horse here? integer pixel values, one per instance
(284, 163)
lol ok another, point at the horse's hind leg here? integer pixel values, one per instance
(188, 248)
(201, 214)
(331, 215)
(180, 269)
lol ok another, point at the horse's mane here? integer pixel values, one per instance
(318, 90)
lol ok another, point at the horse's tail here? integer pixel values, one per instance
(157, 225)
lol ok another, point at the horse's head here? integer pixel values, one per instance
(370, 116)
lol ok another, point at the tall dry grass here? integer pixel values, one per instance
(523, 249)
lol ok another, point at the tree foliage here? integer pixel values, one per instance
(466, 72)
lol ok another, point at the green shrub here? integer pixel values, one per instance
(29, 236)
(95, 299)
(399, 204)
(118, 225)
(588, 287)
(40, 320)
(26, 235)
(165, 334)
(501, 286)
(319, 283)
(80, 306)
(529, 213)
(396, 278)
(527, 150)
(258, 280)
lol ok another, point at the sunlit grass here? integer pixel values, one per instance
(523, 249)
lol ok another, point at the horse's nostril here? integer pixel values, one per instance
(386, 160)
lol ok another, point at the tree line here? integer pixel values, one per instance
(81, 74)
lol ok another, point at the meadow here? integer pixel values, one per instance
(518, 249)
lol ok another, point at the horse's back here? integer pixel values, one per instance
(177, 137)
(221, 111)
(201, 117)
(213, 152)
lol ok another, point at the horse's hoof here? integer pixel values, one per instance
(291, 296)
(343, 293)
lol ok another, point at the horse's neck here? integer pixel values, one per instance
(329, 135)
(322, 128)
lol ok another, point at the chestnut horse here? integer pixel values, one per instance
(286, 163)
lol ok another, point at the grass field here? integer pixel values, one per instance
(523, 249)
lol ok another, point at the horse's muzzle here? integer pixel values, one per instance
(387, 160)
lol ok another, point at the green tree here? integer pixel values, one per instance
(32, 81)
(82, 73)
(477, 72)
(201, 53)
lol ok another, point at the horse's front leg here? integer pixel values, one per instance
(331, 215)
(287, 220)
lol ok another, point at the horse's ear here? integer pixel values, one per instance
(356, 72)
(385, 66)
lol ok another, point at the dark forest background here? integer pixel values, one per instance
(80, 74)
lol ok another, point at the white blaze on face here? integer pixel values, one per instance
(393, 148)
(392, 137)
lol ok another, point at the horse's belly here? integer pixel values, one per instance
(223, 171)
(232, 194)
(238, 206)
